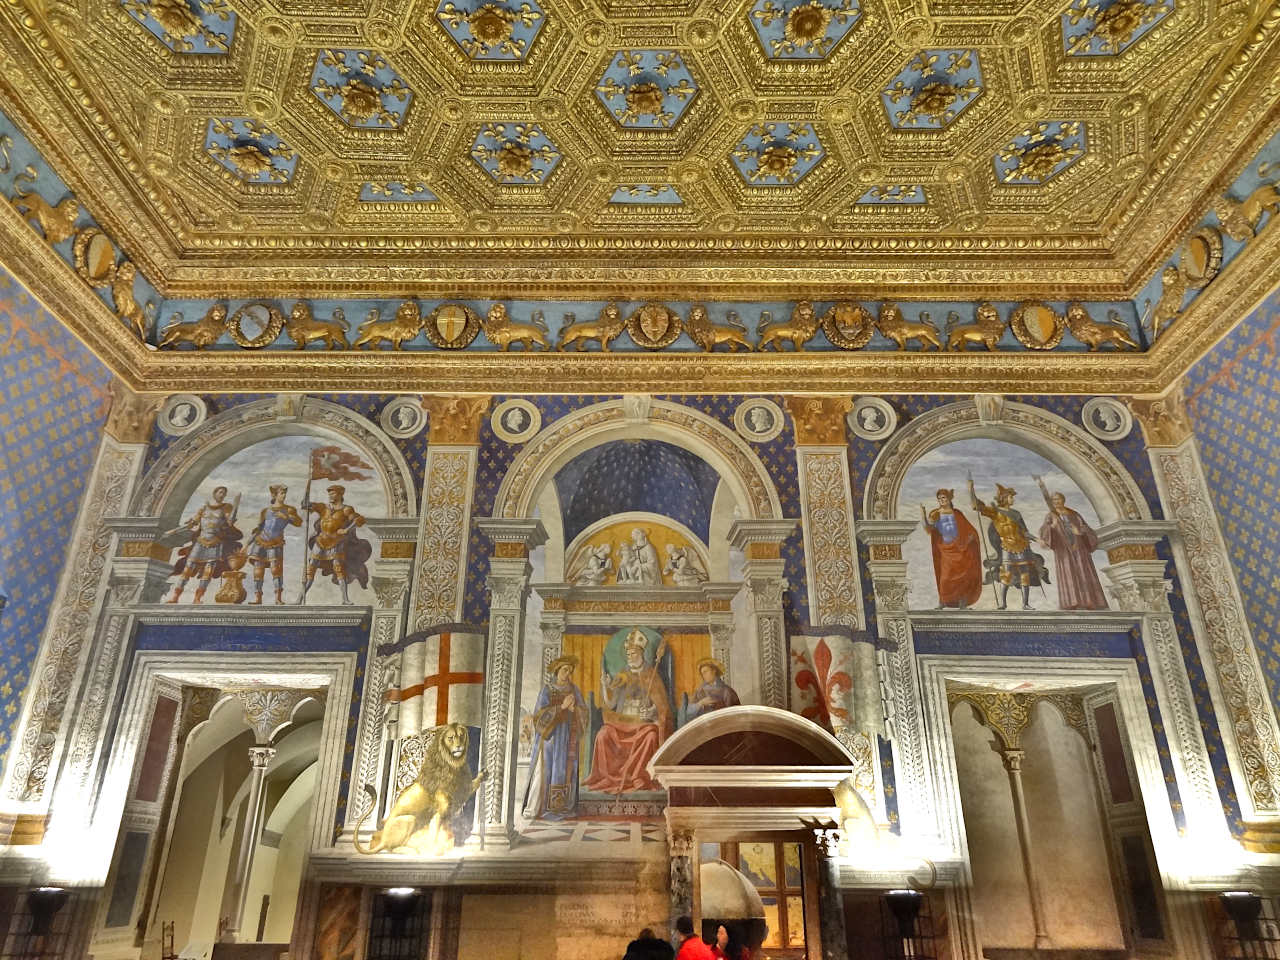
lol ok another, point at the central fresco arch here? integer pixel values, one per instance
(636, 418)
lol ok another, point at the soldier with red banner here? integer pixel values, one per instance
(333, 547)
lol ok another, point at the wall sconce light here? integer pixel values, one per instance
(905, 905)
(1244, 909)
(44, 904)
(400, 903)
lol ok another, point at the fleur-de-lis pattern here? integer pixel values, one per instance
(492, 30)
(932, 89)
(515, 152)
(360, 88)
(1041, 152)
(396, 191)
(1093, 28)
(646, 88)
(777, 153)
(802, 29)
(187, 26)
(646, 193)
(895, 193)
(249, 150)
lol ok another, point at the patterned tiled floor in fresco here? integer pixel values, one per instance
(589, 832)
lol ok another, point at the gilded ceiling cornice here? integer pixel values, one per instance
(677, 264)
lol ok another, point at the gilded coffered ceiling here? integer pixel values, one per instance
(659, 147)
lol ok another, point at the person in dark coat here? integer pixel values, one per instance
(648, 947)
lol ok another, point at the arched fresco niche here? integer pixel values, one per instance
(943, 574)
(619, 481)
(301, 443)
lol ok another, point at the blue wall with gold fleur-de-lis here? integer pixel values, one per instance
(55, 399)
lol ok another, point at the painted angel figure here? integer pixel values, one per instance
(683, 567)
(595, 566)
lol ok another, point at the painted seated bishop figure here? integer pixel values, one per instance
(637, 720)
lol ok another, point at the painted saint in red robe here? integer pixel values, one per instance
(637, 720)
(957, 558)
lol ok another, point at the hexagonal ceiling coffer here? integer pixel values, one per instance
(1040, 153)
(490, 29)
(360, 88)
(187, 26)
(513, 153)
(802, 29)
(1095, 28)
(777, 153)
(646, 88)
(249, 150)
(932, 89)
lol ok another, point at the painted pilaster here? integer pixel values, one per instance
(720, 624)
(553, 621)
(453, 440)
(508, 584)
(761, 544)
(67, 647)
(904, 721)
(826, 507)
(1138, 583)
(1236, 685)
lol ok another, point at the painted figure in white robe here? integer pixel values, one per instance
(646, 558)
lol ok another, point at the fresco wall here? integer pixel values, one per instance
(55, 401)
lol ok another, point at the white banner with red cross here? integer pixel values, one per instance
(441, 679)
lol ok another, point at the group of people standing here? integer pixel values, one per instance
(962, 564)
(689, 946)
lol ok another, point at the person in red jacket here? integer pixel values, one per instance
(691, 945)
(728, 947)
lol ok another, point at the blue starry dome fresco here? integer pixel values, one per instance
(515, 153)
(492, 29)
(360, 88)
(646, 88)
(932, 89)
(1093, 28)
(187, 26)
(777, 153)
(802, 29)
(1041, 152)
(249, 150)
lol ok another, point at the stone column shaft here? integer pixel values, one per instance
(1012, 758)
(260, 759)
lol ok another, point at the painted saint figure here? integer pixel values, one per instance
(334, 547)
(266, 542)
(1015, 564)
(214, 537)
(714, 693)
(559, 721)
(649, 570)
(637, 720)
(957, 557)
(1072, 541)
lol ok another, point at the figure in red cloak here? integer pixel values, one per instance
(957, 559)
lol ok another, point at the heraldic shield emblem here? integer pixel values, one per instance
(654, 326)
(452, 326)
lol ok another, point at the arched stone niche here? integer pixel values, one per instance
(1112, 491)
(168, 485)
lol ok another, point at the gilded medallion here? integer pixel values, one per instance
(1037, 325)
(654, 326)
(452, 326)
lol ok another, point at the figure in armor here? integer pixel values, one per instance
(266, 542)
(334, 548)
(213, 539)
(1015, 563)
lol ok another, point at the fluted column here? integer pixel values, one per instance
(761, 544)
(904, 721)
(508, 584)
(1246, 714)
(1012, 759)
